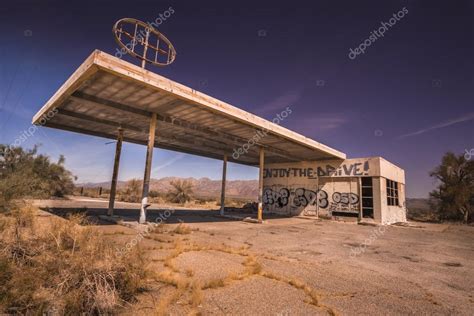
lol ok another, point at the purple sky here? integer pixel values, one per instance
(408, 98)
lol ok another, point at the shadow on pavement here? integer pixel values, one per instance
(168, 215)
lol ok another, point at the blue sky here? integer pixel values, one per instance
(409, 98)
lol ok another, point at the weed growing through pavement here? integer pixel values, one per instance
(162, 217)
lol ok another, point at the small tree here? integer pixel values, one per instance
(25, 173)
(181, 191)
(454, 196)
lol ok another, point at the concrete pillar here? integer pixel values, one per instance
(146, 177)
(113, 186)
(361, 205)
(317, 197)
(224, 172)
(260, 186)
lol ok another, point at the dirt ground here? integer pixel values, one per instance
(295, 266)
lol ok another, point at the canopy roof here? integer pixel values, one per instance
(105, 93)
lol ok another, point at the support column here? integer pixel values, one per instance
(113, 186)
(146, 177)
(224, 172)
(260, 186)
(317, 197)
(361, 206)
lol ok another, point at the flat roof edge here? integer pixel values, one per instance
(99, 60)
(125, 69)
(86, 69)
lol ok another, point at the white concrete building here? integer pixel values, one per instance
(365, 189)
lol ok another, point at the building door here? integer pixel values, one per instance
(339, 196)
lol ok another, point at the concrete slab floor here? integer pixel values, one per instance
(292, 266)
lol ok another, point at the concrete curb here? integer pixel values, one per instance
(240, 218)
(119, 221)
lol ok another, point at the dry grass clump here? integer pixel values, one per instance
(182, 229)
(132, 191)
(252, 265)
(197, 294)
(63, 268)
(214, 284)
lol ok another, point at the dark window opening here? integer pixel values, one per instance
(345, 214)
(367, 197)
(392, 193)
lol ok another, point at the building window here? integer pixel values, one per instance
(392, 193)
(367, 198)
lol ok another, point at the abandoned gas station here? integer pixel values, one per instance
(112, 98)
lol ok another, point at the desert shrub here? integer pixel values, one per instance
(154, 194)
(132, 191)
(181, 191)
(454, 196)
(64, 268)
(204, 200)
(25, 173)
(157, 196)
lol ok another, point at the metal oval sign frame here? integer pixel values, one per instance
(143, 41)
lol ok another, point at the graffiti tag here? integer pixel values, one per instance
(278, 198)
(344, 170)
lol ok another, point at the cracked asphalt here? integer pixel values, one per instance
(295, 266)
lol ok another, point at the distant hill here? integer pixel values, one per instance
(420, 210)
(202, 187)
(418, 204)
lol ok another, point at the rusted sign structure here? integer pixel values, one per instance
(111, 98)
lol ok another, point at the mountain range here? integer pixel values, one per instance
(204, 187)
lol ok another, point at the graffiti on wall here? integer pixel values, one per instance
(278, 198)
(304, 197)
(297, 198)
(344, 202)
(345, 198)
(344, 170)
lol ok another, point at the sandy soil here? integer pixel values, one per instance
(295, 266)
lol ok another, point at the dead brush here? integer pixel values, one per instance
(196, 294)
(65, 269)
(182, 229)
(173, 278)
(252, 265)
(214, 284)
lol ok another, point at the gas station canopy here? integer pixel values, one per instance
(106, 93)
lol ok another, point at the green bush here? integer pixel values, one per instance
(27, 174)
(454, 196)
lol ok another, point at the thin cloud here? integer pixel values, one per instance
(327, 121)
(281, 102)
(168, 163)
(322, 122)
(464, 118)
